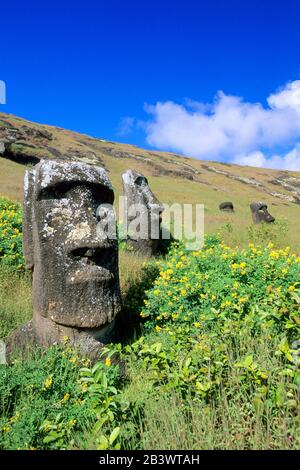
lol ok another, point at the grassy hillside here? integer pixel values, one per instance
(172, 177)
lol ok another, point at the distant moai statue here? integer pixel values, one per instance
(142, 214)
(76, 290)
(226, 206)
(260, 213)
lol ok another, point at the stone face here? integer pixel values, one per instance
(260, 213)
(75, 269)
(142, 214)
(226, 206)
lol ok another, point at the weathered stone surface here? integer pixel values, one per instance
(2, 147)
(141, 204)
(260, 213)
(75, 270)
(226, 206)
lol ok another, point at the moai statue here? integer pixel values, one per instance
(142, 214)
(226, 207)
(74, 264)
(260, 213)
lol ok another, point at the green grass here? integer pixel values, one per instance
(15, 300)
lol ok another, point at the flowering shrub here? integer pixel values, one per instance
(50, 400)
(227, 324)
(11, 234)
(218, 284)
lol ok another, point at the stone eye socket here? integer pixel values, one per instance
(140, 181)
(58, 191)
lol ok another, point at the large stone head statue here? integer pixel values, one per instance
(75, 267)
(260, 213)
(144, 208)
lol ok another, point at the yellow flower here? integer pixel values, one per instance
(6, 429)
(158, 328)
(48, 382)
(15, 418)
(291, 288)
(274, 255)
(108, 362)
(66, 397)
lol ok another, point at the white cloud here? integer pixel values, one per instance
(230, 129)
(289, 161)
(287, 97)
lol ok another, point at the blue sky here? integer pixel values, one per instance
(148, 72)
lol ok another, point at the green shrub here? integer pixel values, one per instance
(263, 233)
(225, 286)
(51, 400)
(11, 234)
(226, 323)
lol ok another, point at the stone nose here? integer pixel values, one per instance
(268, 217)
